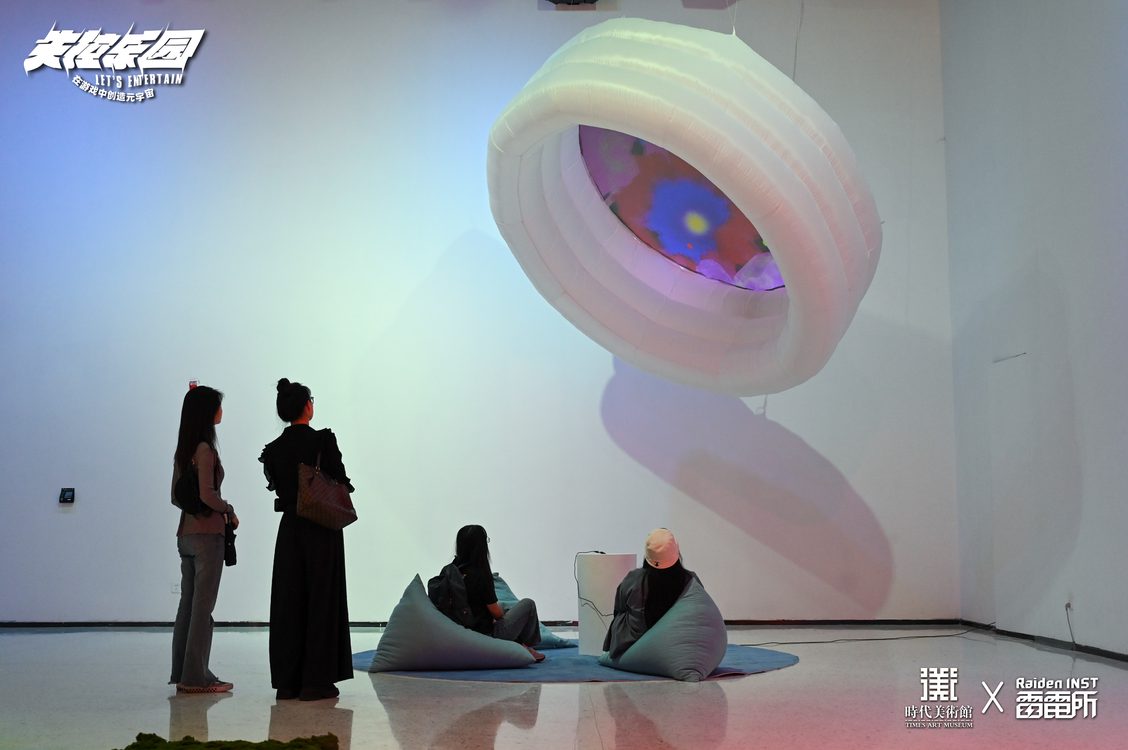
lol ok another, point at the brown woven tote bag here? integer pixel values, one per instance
(322, 499)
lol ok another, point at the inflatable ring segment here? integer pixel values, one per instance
(753, 134)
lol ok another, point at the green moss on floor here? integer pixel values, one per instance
(153, 742)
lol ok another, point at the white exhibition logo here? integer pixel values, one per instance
(130, 66)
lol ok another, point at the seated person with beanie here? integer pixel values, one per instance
(647, 593)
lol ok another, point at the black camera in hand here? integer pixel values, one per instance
(229, 544)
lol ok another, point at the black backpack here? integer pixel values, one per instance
(447, 591)
(186, 494)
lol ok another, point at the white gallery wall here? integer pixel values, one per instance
(1037, 145)
(311, 203)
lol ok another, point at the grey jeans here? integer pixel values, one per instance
(520, 624)
(201, 564)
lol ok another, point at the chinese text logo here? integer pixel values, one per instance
(939, 709)
(1056, 699)
(129, 65)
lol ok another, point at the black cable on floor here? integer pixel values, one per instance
(849, 640)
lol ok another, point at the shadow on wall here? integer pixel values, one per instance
(754, 473)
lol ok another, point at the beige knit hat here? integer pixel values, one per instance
(662, 549)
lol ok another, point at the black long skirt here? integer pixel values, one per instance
(309, 611)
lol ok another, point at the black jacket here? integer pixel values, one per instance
(299, 443)
(629, 621)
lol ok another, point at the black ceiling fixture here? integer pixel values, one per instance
(573, 2)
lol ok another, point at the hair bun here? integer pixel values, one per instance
(283, 384)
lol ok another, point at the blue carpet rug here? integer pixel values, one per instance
(568, 665)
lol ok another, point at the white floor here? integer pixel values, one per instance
(98, 688)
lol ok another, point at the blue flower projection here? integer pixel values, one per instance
(676, 210)
(686, 215)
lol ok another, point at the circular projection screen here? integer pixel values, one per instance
(676, 210)
(740, 256)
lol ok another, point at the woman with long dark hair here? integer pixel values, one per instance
(520, 623)
(310, 647)
(200, 541)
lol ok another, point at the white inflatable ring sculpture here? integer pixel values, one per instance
(780, 159)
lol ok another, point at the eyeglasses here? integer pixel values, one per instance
(311, 399)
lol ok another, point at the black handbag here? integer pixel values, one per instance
(186, 494)
(322, 499)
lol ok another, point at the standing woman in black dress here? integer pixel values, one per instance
(309, 614)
